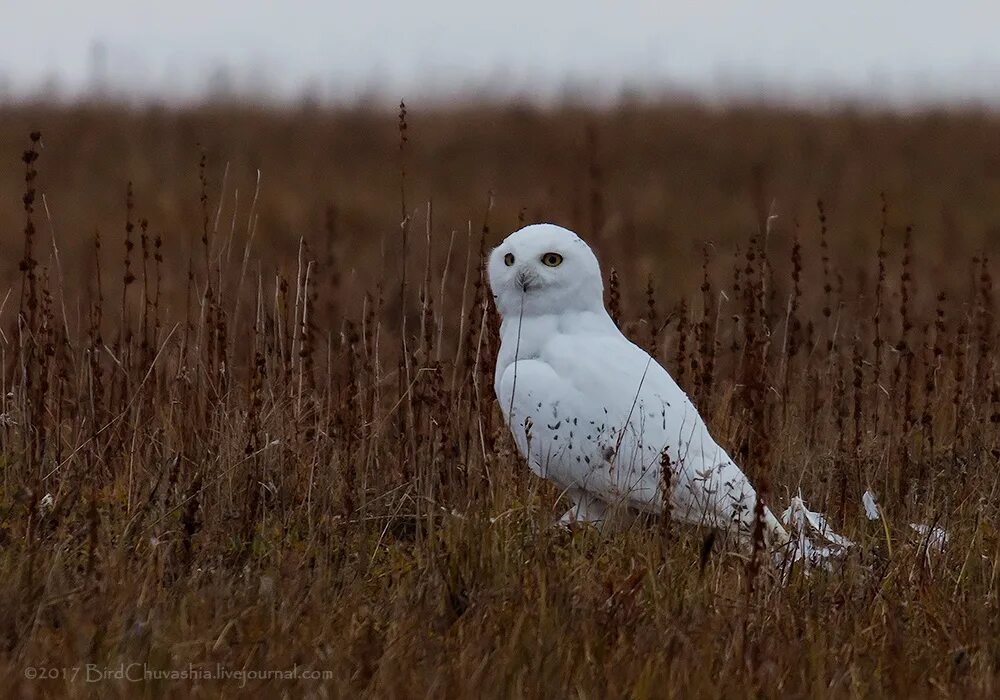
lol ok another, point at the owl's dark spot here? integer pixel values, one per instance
(556, 426)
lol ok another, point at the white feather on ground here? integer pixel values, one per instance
(933, 537)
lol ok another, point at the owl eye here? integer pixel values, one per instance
(508, 259)
(552, 259)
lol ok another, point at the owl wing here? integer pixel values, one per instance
(596, 413)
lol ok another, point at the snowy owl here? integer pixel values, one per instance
(593, 412)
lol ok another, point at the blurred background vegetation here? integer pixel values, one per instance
(648, 185)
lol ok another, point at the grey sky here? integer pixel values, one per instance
(889, 49)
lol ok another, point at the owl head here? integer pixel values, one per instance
(545, 269)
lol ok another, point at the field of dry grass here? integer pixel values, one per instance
(248, 426)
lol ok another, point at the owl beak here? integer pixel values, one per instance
(523, 278)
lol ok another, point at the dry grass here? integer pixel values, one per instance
(224, 448)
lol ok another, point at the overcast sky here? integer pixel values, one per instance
(887, 50)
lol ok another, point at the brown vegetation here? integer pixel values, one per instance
(249, 423)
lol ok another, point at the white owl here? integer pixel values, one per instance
(593, 412)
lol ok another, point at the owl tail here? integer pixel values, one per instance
(775, 535)
(811, 540)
